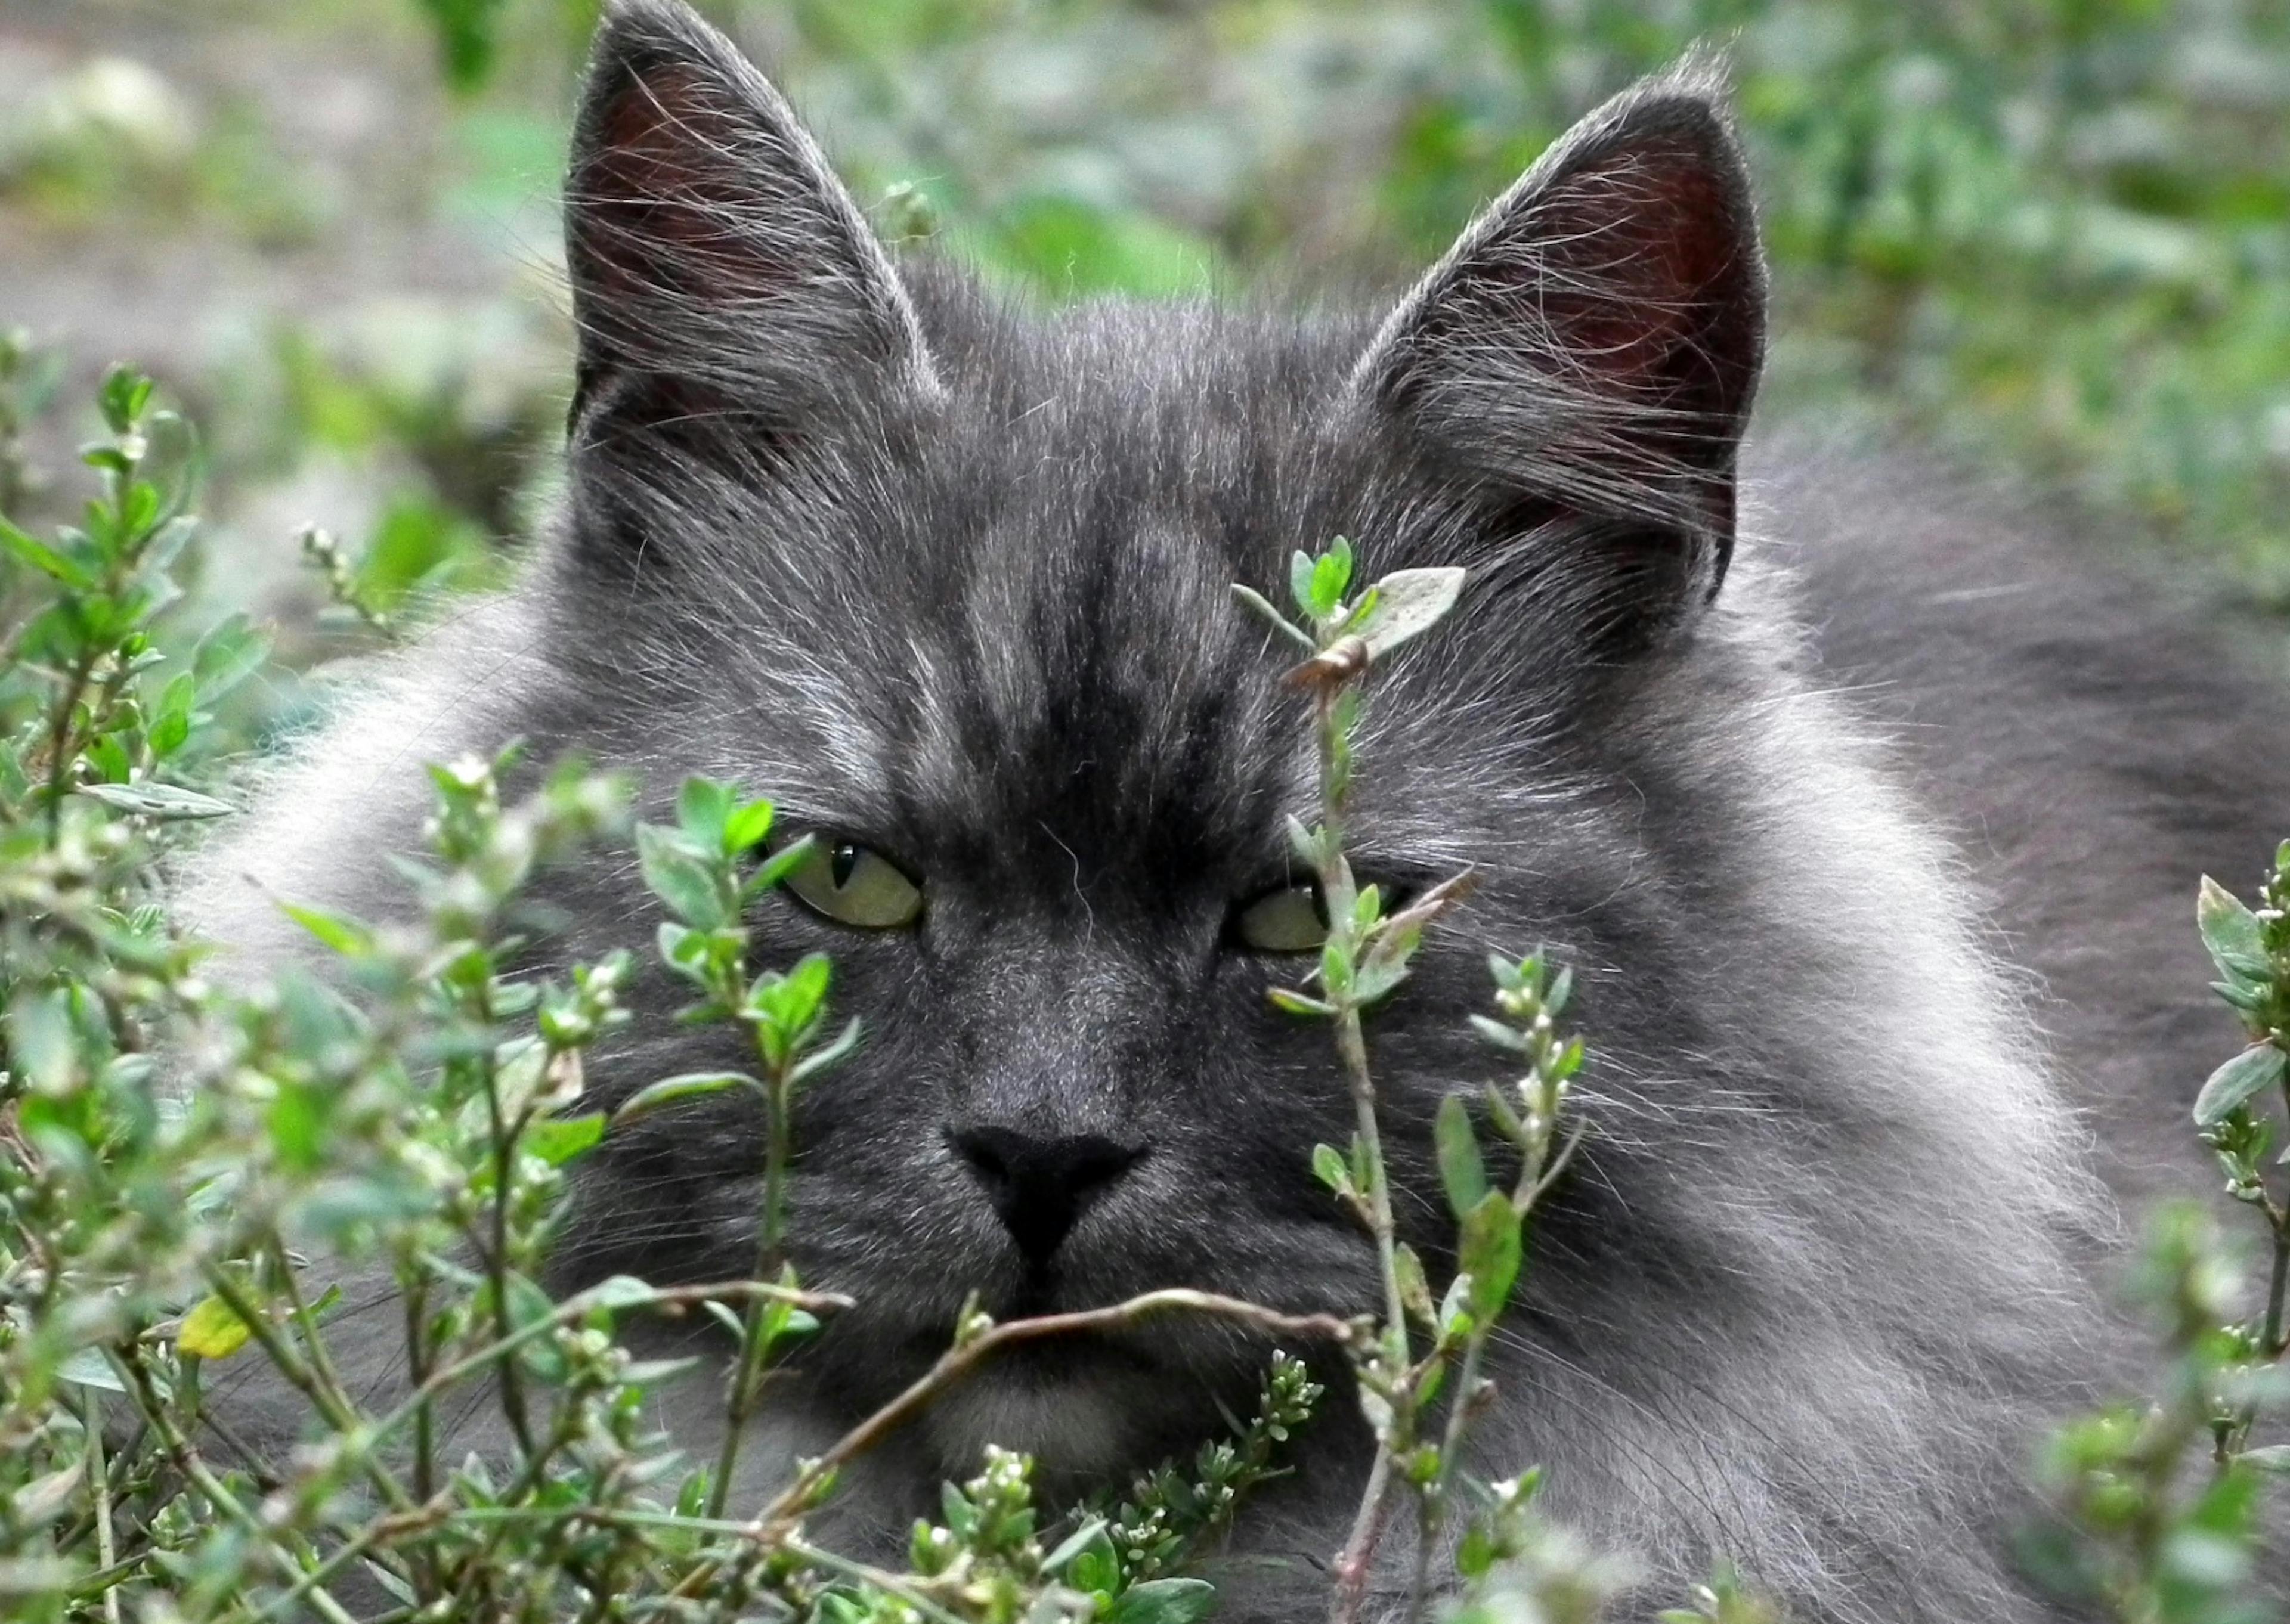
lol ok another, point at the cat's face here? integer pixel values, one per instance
(953, 587)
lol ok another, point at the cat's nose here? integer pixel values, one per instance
(1041, 1187)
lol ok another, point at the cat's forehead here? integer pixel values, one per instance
(1072, 656)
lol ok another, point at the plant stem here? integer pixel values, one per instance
(496, 1254)
(671, 1298)
(217, 1494)
(2271, 1340)
(59, 736)
(959, 1360)
(98, 1479)
(890, 1584)
(339, 1414)
(747, 1380)
(774, 1525)
(1357, 1558)
(1339, 892)
(1351, 1048)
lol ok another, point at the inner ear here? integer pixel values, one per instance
(1592, 345)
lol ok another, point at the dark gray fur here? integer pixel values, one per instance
(952, 580)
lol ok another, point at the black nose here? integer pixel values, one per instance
(1041, 1187)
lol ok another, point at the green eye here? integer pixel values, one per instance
(1289, 920)
(855, 886)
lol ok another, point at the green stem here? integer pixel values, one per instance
(105, 1547)
(772, 1526)
(1351, 1048)
(59, 736)
(1356, 1561)
(1338, 892)
(504, 1142)
(747, 1380)
(2271, 1340)
(339, 1414)
(672, 1298)
(217, 1494)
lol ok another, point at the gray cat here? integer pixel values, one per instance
(950, 582)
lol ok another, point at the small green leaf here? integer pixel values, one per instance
(2256, 1069)
(212, 1331)
(88, 1368)
(1299, 580)
(1328, 1164)
(1385, 965)
(1414, 1287)
(1488, 1250)
(775, 868)
(1408, 603)
(827, 1054)
(30, 550)
(170, 732)
(703, 808)
(1331, 573)
(1165, 1601)
(339, 931)
(1454, 1318)
(686, 883)
(1500, 1036)
(166, 802)
(747, 827)
(1461, 1169)
(558, 1140)
(1297, 1004)
(2231, 931)
(677, 1090)
(42, 1501)
(1090, 1533)
(1263, 607)
(786, 1005)
(618, 1291)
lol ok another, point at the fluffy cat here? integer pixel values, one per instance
(948, 581)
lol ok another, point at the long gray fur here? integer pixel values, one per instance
(950, 579)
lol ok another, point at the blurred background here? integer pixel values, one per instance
(2054, 235)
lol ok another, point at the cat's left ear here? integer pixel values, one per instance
(717, 265)
(1592, 343)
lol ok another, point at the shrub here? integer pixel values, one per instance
(186, 1164)
(184, 1167)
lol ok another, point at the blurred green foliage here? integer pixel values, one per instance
(2054, 233)
(2054, 229)
(2058, 230)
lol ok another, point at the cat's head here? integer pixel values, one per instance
(949, 580)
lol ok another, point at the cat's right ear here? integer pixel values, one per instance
(1586, 356)
(721, 275)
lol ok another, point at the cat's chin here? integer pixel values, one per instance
(1082, 1417)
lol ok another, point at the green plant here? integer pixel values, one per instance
(184, 1167)
(2163, 1503)
(189, 1174)
(1364, 959)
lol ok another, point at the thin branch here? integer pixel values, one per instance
(670, 1298)
(774, 1525)
(961, 1359)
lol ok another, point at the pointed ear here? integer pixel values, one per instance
(717, 266)
(1589, 349)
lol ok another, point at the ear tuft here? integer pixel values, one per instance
(1594, 338)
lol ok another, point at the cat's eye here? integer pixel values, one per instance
(1289, 920)
(854, 885)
